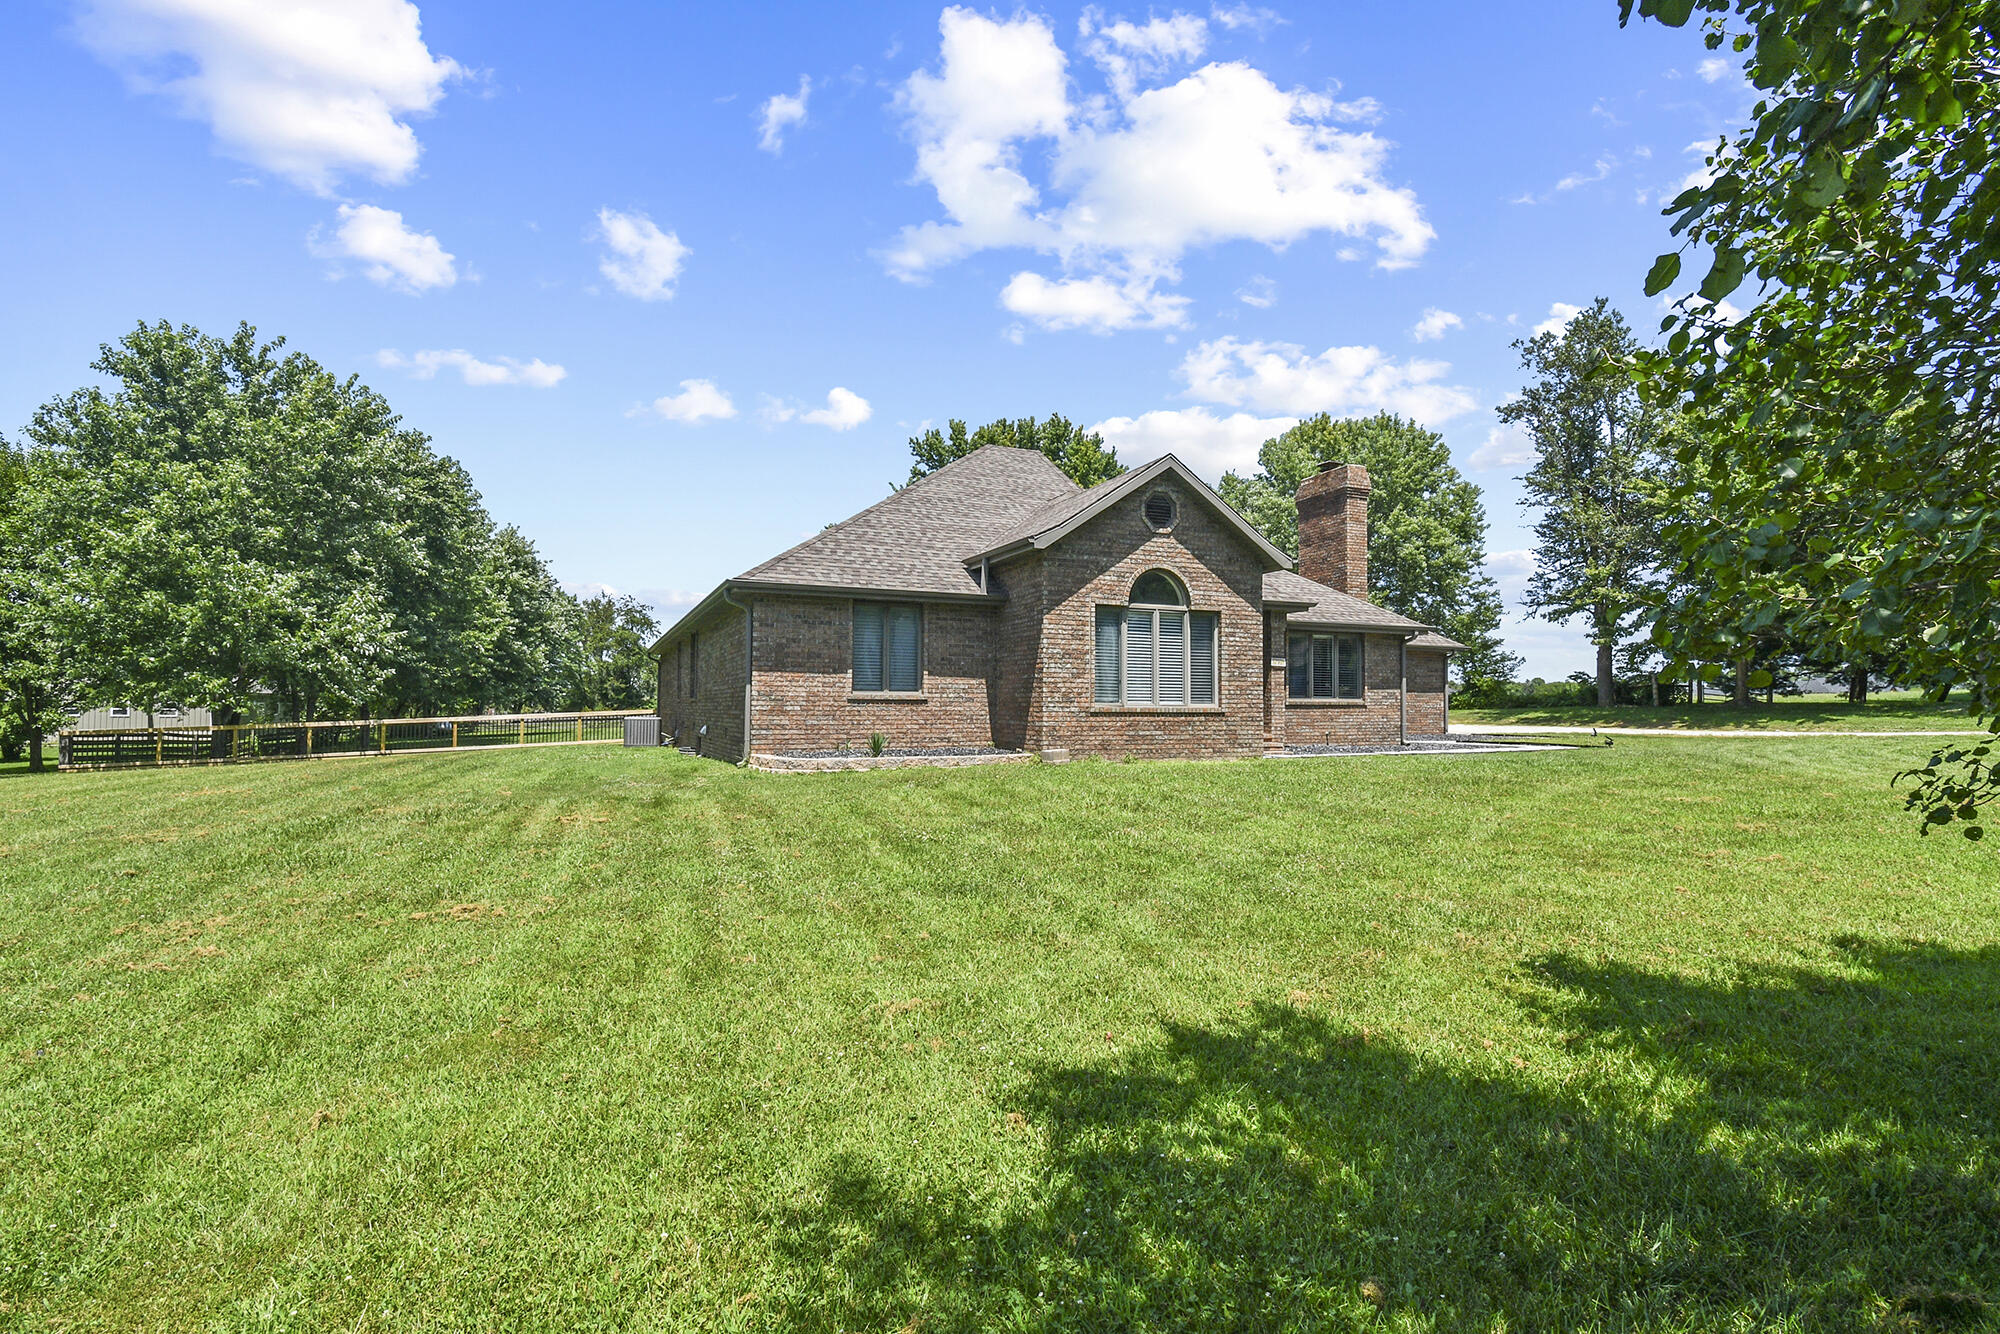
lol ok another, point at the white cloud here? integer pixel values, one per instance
(1506, 447)
(1560, 314)
(1255, 18)
(1128, 52)
(310, 90)
(640, 259)
(1283, 378)
(1435, 324)
(844, 410)
(1259, 292)
(389, 252)
(780, 112)
(697, 402)
(1209, 444)
(1598, 171)
(535, 374)
(1137, 178)
(1097, 304)
(1713, 70)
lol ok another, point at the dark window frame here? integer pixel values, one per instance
(1314, 660)
(889, 685)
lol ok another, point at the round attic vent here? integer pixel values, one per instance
(1160, 511)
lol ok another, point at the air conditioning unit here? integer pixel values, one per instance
(643, 730)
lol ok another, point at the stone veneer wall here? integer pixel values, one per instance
(804, 699)
(1096, 565)
(1373, 720)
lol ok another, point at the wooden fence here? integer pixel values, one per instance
(119, 748)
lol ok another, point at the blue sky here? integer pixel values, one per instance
(676, 283)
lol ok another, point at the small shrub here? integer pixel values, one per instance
(877, 743)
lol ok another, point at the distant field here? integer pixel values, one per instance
(1890, 712)
(1674, 1037)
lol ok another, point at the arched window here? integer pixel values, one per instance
(1155, 652)
(1157, 588)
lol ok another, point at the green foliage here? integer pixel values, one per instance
(877, 743)
(609, 667)
(1426, 524)
(224, 522)
(588, 1038)
(1845, 443)
(1080, 454)
(1597, 537)
(38, 689)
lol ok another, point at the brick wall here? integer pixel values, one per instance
(1095, 566)
(804, 699)
(1017, 646)
(1374, 720)
(1427, 692)
(719, 701)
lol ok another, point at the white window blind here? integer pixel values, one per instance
(1172, 634)
(1201, 658)
(1163, 657)
(1138, 657)
(1110, 665)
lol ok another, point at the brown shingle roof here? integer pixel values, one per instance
(1327, 606)
(1432, 639)
(917, 540)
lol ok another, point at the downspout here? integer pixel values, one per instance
(1403, 695)
(749, 661)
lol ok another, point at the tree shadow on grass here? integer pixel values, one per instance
(1790, 1150)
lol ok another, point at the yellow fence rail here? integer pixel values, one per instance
(121, 748)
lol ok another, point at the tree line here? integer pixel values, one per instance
(228, 525)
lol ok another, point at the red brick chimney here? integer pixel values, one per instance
(1333, 527)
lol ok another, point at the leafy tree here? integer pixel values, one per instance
(1426, 524)
(1597, 540)
(37, 689)
(224, 522)
(526, 665)
(1848, 437)
(1081, 454)
(609, 668)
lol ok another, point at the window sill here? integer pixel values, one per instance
(887, 697)
(1156, 708)
(1291, 703)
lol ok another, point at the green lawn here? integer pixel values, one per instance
(1889, 712)
(1683, 1036)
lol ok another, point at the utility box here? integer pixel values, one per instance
(643, 730)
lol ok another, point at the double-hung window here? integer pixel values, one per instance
(888, 647)
(1323, 666)
(1155, 650)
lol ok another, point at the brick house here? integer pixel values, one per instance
(995, 603)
